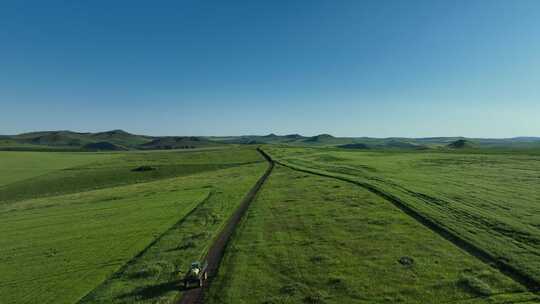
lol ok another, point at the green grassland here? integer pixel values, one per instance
(101, 170)
(18, 166)
(54, 250)
(487, 199)
(155, 276)
(312, 239)
(69, 226)
(122, 227)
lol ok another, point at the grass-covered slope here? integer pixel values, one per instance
(391, 143)
(114, 140)
(121, 140)
(460, 144)
(61, 239)
(487, 200)
(120, 137)
(155, 276)
(178, 142)
(55, 250)
(108, 169)
(103, 146)
(311, 239)
(68, 140)
(16, 166)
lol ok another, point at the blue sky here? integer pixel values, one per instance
(349, 68)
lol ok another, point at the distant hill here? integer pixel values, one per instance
(327, 140)
(121, 140)
(271, 135)
(76, 139)
(114, 140)
(53, 138)
(242, 140)
(103, 146)
(177, 142)
(294, 136)
(320, 138)
(121, 137)
(525, 139)
(260, 139)
(460, 144)
(354, 146)
(395, 144)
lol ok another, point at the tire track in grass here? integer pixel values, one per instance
(515, 274)
(217, 249)
(524, 297)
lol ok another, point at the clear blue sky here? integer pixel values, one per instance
(349, 68)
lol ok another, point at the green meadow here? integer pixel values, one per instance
(68, 243)
(312, 239)
(490, 200)
(70, 227)
(155, 276)
(330, 225)
(17, 166)
(103, 170)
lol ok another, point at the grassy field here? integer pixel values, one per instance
(69, 227)
(154, 277)
(18, 166)
(54, 250)
(102, 170)
(311, 239)
(488, 199)
(122, 227)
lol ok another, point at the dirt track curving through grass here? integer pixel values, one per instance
(216, 251)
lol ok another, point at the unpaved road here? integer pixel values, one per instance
(215, 253)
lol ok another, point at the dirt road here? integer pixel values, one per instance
(215, 253)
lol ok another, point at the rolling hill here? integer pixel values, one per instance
(460, 144)
(121, 140)
(114, 140)
(103, 146)
(178, 142)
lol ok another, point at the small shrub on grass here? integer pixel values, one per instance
(406, 261)
(337, 283)
(144, 168)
